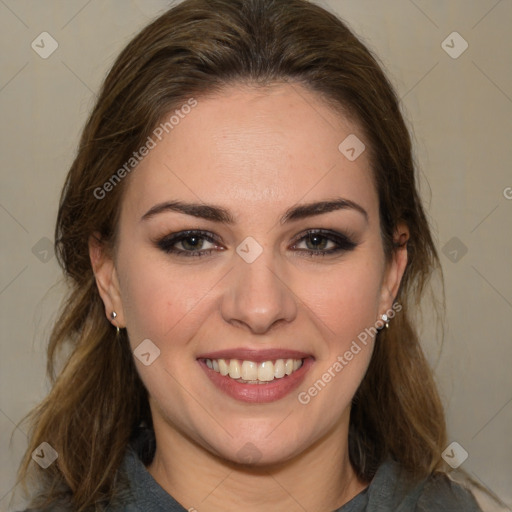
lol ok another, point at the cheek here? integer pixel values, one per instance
(347, 305)
(159, 299)
(346, 299)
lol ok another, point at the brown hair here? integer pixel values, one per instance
(195, 49)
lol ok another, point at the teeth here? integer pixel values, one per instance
(234, 369)
(223, 366)
(279, 369)
(249, 370)
(266, 371)
(254, 373)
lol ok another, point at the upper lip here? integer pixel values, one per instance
(256, 355)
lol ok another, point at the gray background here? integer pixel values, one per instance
(460, 113)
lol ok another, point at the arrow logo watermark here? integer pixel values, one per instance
(352, 147)
(43, 250)
(44, 45)
(454, 455)
(249, 454)
(454, 45)
(44, 455)
(455, 249)
(146, 352)
(249, 250)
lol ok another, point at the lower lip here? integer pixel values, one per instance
(258, 393)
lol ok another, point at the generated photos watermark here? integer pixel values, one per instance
(158, 133)
(304, 397)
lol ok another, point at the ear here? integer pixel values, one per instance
(395, 269)
(106, 279)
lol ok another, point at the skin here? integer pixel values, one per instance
(256, 153)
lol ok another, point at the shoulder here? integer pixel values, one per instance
(126, 507)
(440, 493)
(122, 500)
(53, 508)
(395, 490)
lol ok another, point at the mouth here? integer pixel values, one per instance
(256, 376)
(251, 372)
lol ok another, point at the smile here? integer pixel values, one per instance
(250, 372)
(265, 380)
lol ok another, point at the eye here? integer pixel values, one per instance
(322, 242)
(192, 242)
(195, 243)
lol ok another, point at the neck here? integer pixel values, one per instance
(319, 479)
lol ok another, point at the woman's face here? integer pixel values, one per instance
(248, 172)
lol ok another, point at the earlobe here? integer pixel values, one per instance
(396, 268)
(106, 280)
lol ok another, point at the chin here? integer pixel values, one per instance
(259, 451)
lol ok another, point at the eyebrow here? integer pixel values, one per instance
(221, 215)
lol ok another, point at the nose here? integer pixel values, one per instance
(256, 297)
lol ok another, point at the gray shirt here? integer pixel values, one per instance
(387, 492)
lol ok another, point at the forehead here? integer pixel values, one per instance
(249, 149)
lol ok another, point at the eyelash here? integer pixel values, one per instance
(167, 243)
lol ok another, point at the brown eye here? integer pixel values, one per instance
(192, 243)
(317, 242)
(325, 242)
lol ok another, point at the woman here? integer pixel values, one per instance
(246, 248)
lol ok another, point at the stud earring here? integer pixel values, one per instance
(385, 319)
(113, 315)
